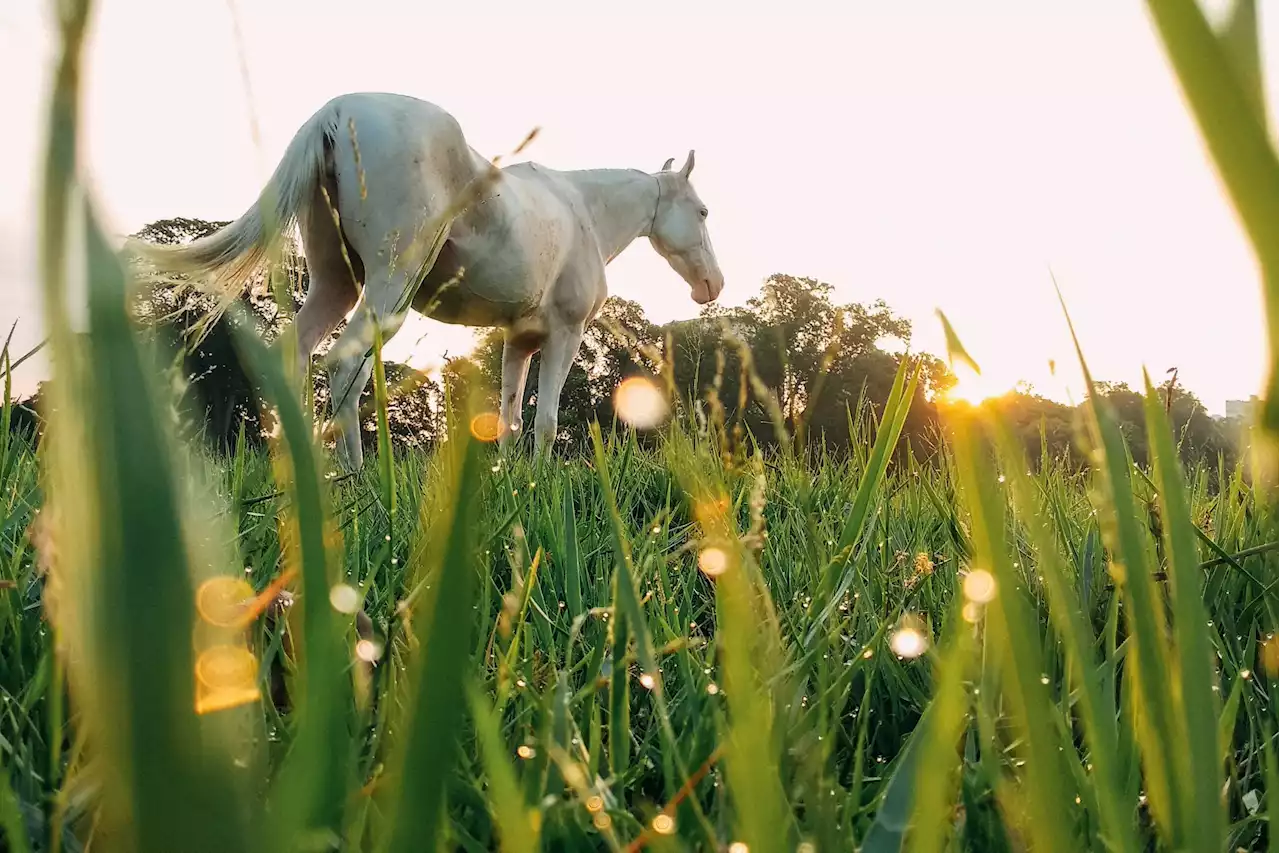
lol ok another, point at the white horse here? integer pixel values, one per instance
(368, 171)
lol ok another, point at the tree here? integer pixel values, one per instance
(1200, 439)
(217, 397)
(816, 359)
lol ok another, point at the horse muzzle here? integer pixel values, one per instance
(707, 288)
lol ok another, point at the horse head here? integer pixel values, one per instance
(679, 233)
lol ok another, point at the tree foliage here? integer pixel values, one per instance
(790, 353)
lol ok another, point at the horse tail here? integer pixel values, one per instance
(229, 258)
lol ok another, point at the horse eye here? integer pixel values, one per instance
(703, 213)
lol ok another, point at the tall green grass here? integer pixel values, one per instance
(657, 645)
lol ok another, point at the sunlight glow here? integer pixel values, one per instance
(908, 643)
(221, 601)
(713, 562)
(640, 403)
(979, 586)
(368, 651)
(486, 426)
(226, 677)
(344, 598)
(973, 388)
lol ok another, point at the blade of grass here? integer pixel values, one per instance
(629, 601)
(932, 803)
(311, 786)
(749, 650)
(15, 831)
(1097, 708)
(386, 461)
(1154, 701)
(895, 415)
(1221, 100)
(445, 625)
(169, 783)
(517, 832)
(569, 557)
(1194, 651)
(1012, 630)
(1273, 791)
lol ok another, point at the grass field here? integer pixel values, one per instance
(648, 642)
(675, 643)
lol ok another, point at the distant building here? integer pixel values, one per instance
(1242, 409)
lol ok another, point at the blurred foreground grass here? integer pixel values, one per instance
(652, 647)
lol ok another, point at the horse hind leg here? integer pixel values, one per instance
(351, 360)
(335, 276)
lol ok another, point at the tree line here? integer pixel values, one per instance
(792, 356)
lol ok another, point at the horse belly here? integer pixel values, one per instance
(462, 287)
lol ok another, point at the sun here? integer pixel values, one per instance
(973, 388)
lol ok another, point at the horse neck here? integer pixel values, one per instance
(621, 204)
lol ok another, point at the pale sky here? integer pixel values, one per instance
(945, 157)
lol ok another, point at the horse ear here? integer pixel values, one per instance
(688, 165)
(666, 167)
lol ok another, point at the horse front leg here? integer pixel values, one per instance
(558, 352)
(515, 370)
